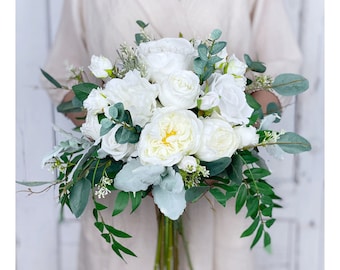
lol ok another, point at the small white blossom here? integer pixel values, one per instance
(102, 189)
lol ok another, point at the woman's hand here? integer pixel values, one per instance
(264, 97)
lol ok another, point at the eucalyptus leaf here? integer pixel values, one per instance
(142, 24)
(82, 90)
(252, 102)
(106, 126)
(34, 183)
(217, 47)
(219, 196)
(202, 51)
(289, 84)
(217, 166)
(253, 65)
(126, 135)
(215, 34)
(51, 79)
(199, 65)
(234, 170)
(213, 60)
(293, 143)
(195, 193)
(79, 195)
(68, 106)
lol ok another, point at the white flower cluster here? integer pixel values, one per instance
(164, 103)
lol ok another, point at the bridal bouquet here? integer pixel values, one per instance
(174, 119)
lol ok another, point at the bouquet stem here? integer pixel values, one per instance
(167, 243)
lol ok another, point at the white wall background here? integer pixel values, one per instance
(43, 242)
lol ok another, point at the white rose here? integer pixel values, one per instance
(116, 150)
(164, 56)
(235, 66)
(209, 101)
(96, 101)
(171, 135)
(233, 104)
(248, 136)
(181, 90)
(91, 127)
(137, 95)
(218, 140)
(100, 66)
(188, 164)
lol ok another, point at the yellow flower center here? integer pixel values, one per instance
(167, 135)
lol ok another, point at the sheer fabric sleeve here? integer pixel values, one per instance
(274, 39)
(69, 48)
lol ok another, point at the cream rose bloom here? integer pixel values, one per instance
(91, 127)
(248, 136)
(171, 135)
(232, 104)
(180, 89)
(100, 66)
(96, 101)
(218, 140)
(137, 95)
(235, 66)
(164, 56)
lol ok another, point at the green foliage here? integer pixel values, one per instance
(289, 84)
(293, 143)
(121, 202)
(51, 79)
(217, 166)
(204, 64)
(195, 193)
(82, 90)
(254, 65)
(79, 195)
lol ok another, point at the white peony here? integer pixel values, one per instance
(171, 135)
(91, 127)
(232, 104)
(181, 90)
(248, 136)
(218, 140)
(100, 66)
(116, 150)
(164, 56)
(137, 95)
